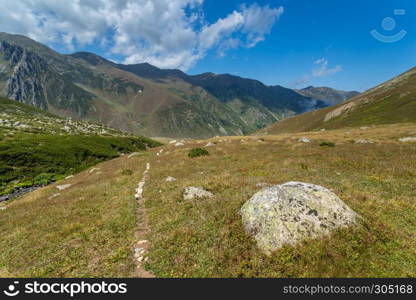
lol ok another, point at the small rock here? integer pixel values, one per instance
(363, 141)
(192, 193)
(63, 187)
(3, 207)
(142, 242)
(364, 128)
(54, 196)
(93, 170)
(304, 140)
(170, 179)
(69, 177)
(179, 144)
(133, 154)
(173, 142)
(210, 144)
(408, 140)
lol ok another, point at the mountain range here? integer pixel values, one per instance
(141, 98)
(391, 102)
(327, 95)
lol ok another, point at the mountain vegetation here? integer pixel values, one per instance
(89, 230)
(391, 102)
(141, 99)
(37, 148)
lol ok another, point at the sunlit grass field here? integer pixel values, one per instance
(89, 230)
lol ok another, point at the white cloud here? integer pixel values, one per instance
(322, 69)
(166, 33)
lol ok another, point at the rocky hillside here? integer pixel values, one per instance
(328, 95)
(141, 99)
(391, 102)
(18, 117)
(37, 147)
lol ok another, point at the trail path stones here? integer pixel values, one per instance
(141, 247)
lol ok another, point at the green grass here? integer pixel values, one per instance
(89, 230)
(327, 144)
(391, 103)
(31, 159)
(86, 231)
(197, 152)
(207, 239)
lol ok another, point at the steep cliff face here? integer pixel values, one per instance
(18, 67)
(32, 80)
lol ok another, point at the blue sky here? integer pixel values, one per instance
(336, 30)
(294, 43)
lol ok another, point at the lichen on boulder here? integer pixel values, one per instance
(290, 213)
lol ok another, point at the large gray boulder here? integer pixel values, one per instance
(293, 212)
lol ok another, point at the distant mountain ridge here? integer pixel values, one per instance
(391, 102)
(328, 95)
(141, 98)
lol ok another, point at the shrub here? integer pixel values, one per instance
(43, 179)
(43, 158)
(196, 152)
(327, 144)
(127, 172)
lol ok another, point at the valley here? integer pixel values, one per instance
(141, 99)
(37, 148)
(114, 170)
(89, 229)
(389, 103)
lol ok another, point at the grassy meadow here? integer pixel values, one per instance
(89, 230)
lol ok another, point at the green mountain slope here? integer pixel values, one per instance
(37, 147)
(141, 98)
(388, 103)
(91, 88)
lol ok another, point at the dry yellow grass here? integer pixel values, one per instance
(87, 231)
(206, 239)
(90, 229)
